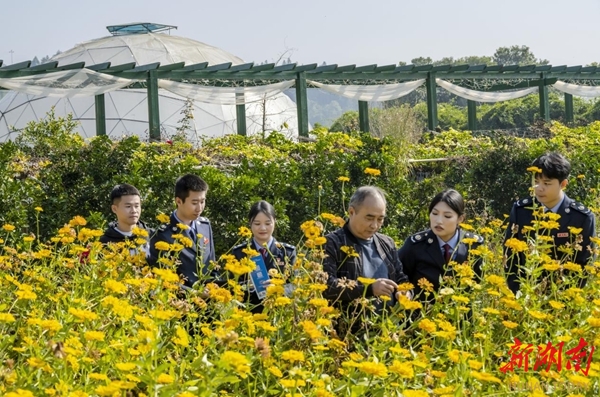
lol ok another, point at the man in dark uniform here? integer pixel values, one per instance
(187, 225)
(126, 205)
(358, 250)
(550, 181)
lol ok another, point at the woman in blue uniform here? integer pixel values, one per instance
(428, 253)
(276, 255)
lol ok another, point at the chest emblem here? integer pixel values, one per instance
(561, 235)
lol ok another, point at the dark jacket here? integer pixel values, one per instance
(111, 235)
(571, 213)
(193, 260)
(339, 265)
(422, 257)
(284, 255)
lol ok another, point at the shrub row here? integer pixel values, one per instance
(50, 167)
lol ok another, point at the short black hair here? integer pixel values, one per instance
(452, 198)
(189, 183)
(124, 189)
(261, 206)
(554, 166)
(363, 192)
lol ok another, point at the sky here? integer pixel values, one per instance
(315, 31)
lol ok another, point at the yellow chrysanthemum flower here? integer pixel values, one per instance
(162, 246)
(372, 171)
(535, 170)
(163, 218)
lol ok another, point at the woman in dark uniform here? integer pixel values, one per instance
(428, 253)
(276, 255)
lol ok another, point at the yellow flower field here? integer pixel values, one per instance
(104, 324)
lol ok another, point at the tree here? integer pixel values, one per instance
(474, 60)
(35, 61)
(516, 55)
(421, 61)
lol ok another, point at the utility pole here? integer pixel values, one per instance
(11, 56)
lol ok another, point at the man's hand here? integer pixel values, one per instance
(384, 286)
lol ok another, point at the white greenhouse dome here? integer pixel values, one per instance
(127, 109)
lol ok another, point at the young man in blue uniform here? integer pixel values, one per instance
(194, 261)
(549, 186)
(127, 206)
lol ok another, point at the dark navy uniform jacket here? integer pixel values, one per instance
(571, 213)
(112, 235)
(192, 260)
(279, 256)
(422, 257)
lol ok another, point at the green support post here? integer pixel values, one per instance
(570, 115)
(544, 100)
(302, 104)
(472, 115)
(100, 115)
(432, 116)
(363, 116)
(240, 115)
(153, 109)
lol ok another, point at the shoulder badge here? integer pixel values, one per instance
(416, 238)
(288, 246)
(524, 202)
(203, 219)
(242, 245)
(475, 236)
(579, 207)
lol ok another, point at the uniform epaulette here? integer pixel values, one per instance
(203, 219)
(242, 245)
(580, 207)
(475, 236)
(418, 237)
(288, 246)
(524, 202)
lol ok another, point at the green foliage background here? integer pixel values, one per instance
(51, 167)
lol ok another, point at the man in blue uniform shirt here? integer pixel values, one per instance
(194, 259)
(549, 186)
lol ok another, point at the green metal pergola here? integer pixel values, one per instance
(226, 74)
